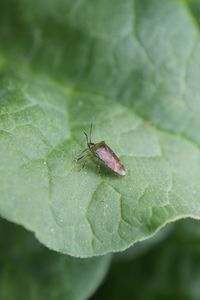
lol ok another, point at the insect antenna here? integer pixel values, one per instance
(86, 137)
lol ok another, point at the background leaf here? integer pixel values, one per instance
(168, 271)
(132, 68)
(30, 271)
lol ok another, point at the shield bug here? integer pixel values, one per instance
(104, 153)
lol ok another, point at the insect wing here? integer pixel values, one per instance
(104, 153)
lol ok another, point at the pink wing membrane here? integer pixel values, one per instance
(110, 159)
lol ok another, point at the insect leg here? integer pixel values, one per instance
(82, 151)
(79, 158)
(84, 162)
(84, 155)
(90, 131)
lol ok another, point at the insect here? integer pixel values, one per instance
(104, 153)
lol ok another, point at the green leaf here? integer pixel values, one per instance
(169, 271)
(131, 67)
(30, 271)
